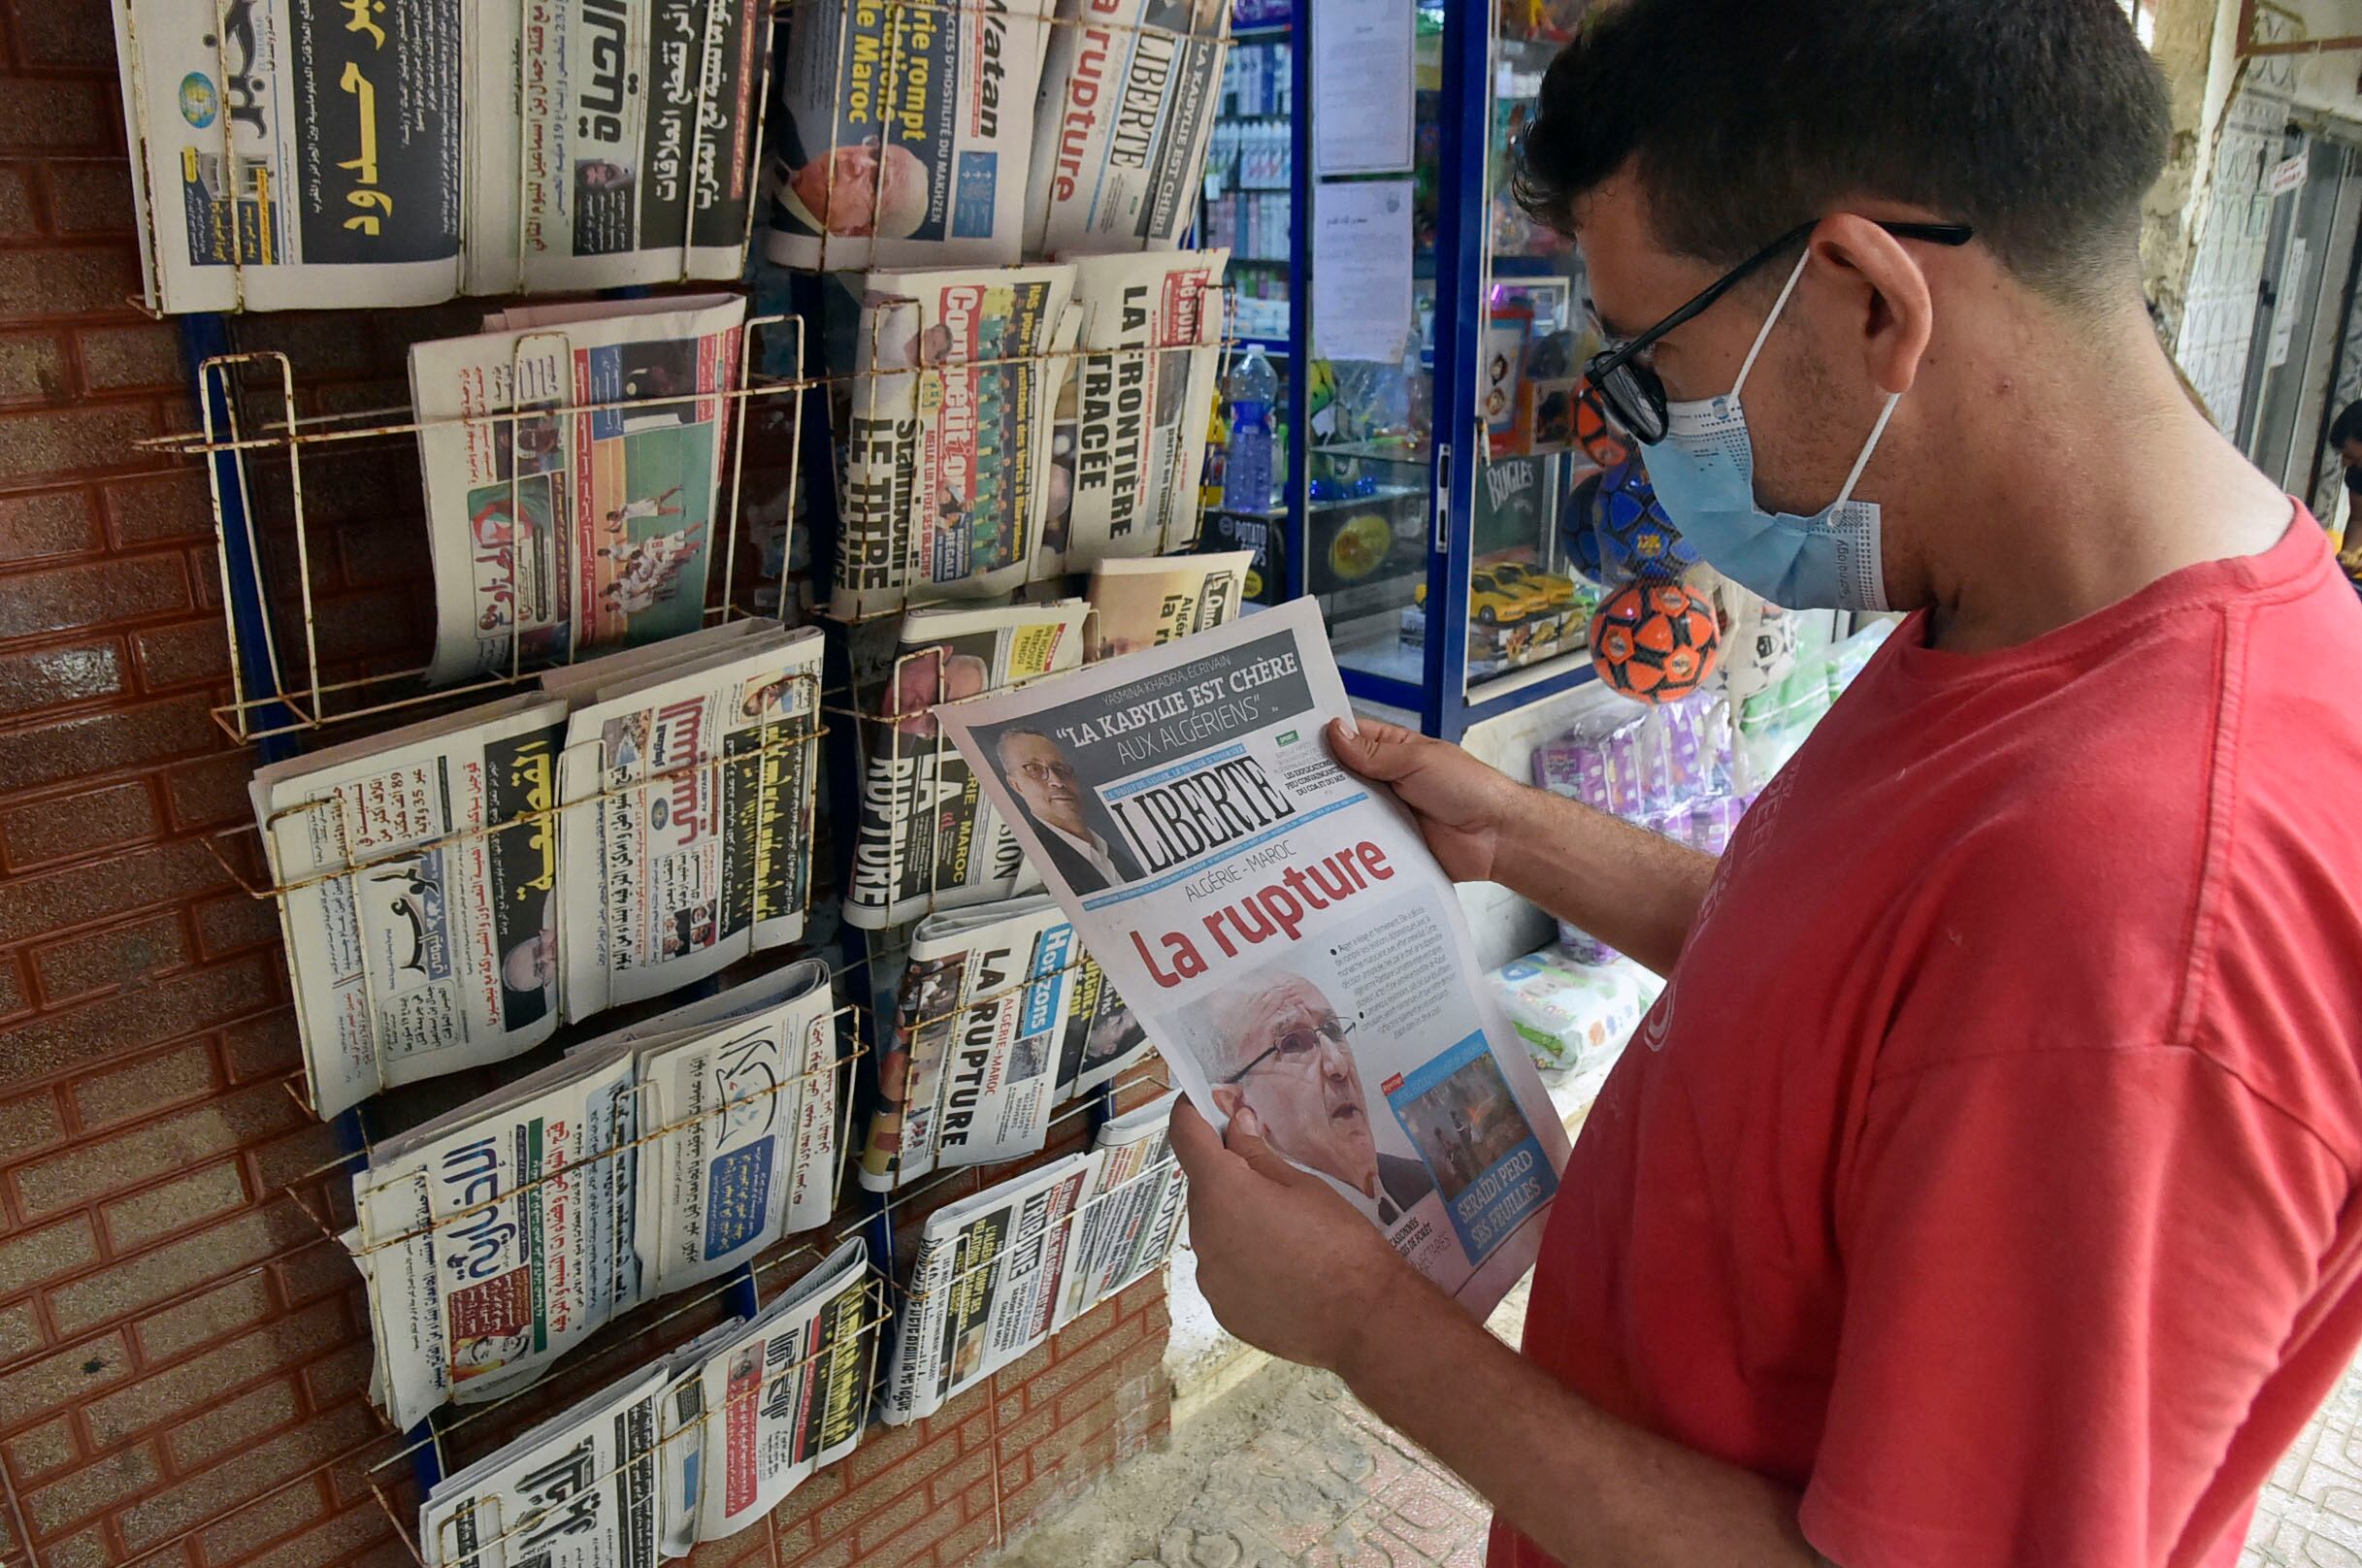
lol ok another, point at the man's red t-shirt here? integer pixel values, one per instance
(1985, 1173)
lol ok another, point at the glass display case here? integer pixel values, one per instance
(1428, 501)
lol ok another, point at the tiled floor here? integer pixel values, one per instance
(1290, 1470)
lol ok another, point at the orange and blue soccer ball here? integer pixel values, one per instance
(1616, 532)
(1656, 642)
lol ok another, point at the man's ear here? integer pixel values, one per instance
(1228, 1097)
(1886, 284)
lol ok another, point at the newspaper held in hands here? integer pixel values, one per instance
(1132, 413)
(983, 1287)
(905, 130)
(947, 432)
(688, 800)
(1293, 948)
(1128, 99)
(416, 902)
(927, 842)
(563, 532)
(998, 1017)
(1146, 603)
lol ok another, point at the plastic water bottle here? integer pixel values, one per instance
(1246, 469)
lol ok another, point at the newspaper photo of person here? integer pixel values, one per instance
(867, 189)
(1075, 830)
(927, 677)
(1282, 1063)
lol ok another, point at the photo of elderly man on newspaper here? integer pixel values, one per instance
(1285, 938)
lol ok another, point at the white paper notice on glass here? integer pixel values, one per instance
(1362, 87)
(1362, 270)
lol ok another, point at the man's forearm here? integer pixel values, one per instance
(1635, 889)
(1584, 1487)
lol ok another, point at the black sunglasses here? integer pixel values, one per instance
(1628, 386)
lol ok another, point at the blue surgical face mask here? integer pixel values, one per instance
(1704, 471)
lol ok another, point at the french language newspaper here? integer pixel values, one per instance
(1290, 946)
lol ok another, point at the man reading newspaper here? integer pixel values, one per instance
(1982, 1190)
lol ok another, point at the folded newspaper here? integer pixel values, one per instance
(1286, 936)
(696, 1445)
(983, 1287)
(905, 131)
(947, 472)
(999, 1015)
(1129, 94)
(417, 867)
(1148, 603)
(401, 153)
(925, 841)
(498, 1237)
(1129, 439)
(997, 1273)
(686, 835)
(589, 520)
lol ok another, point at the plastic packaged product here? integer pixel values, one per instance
(1568, 1012)
(1713, 820)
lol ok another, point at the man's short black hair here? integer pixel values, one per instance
(2348, 425)
(2042, 124)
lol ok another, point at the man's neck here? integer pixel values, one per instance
(1072, 829)
(2094, 488)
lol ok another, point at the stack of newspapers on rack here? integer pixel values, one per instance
(499, 1235)
(952, 170)
(999, 1272)
(999, 1015)
(1006, 425)
(573, 457)
(452, 891)
(402, 153)
(694, 1446)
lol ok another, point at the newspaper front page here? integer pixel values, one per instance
(1132, 1208)
(1129, 439)
(925, 840)
(784, 1394)
(987, 1005)
(905, 130)
(983, 1289)
(687, 823)
(583, 1490)
(1128, 100)
(498, 1236)
(1293, 947)
(288, 159)
(417, 897)
(948, 433)
(615, 141)
(1146, 603)
(565, 532)
(746, 1083)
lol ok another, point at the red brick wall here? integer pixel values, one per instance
(182, 1355)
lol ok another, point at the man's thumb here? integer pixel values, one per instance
(1375, 750)
(1245, 1140)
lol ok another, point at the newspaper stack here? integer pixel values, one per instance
(588, 521)
(416, 870)
(1132, 1210)
(425, 874)
(999, 1015)
(997, 1272)
(905, 133)
(947, 473)
(1146, 603)
(498, 1237)
(1285, 936)
(694, 1446)
(925, 843)
(983, 1287)
(1128, 101)
(1129, 445)
(688, 790)
(402, 153)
